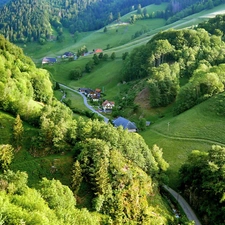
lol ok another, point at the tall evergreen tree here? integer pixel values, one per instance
(18, 131)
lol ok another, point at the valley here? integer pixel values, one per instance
(170, 75)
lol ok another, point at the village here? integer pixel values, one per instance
(95, 96)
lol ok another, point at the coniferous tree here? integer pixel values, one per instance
(6, 156)
(76, 177)
(18, 131)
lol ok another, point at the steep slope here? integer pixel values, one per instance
(25, 21)
(24, 88)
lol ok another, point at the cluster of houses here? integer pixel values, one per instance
(107, 107)
(95, 96)
(68, 55)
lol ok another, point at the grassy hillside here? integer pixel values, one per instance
(196, 129)
(119, 36)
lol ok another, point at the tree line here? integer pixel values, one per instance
(202, 182)
(25, 21)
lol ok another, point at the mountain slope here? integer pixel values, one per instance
(25, 21)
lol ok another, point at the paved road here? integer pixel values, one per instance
(85, 101)
(184, 205)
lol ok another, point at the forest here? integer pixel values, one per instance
(46, 20)
(194, 57)
(35, 22)
(114, 168)
(202, 179)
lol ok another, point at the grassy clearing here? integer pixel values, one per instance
(105, 76)
(150, 9)
(201, 122)
(6, 128)
(76, 100)
(175, 151)
(53, 166)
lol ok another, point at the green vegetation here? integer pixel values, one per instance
(198, 128)
(202, 178)
(110, 170)
(47, 144)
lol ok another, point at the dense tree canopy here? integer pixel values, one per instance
(25, 21)
(202, 179)
(51, 204)
(174, 55)
(24, 88)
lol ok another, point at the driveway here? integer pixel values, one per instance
(85, 101)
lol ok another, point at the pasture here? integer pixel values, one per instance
(196, 129)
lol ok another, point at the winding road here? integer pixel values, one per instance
(85, 101)
(184, 205)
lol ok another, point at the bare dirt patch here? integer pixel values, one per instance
(142, 98)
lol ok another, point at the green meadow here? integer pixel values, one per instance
(196, 129)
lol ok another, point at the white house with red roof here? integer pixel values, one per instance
(107, 105)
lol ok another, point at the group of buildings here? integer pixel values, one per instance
(68, 55)
(107, 106)
(95, 96)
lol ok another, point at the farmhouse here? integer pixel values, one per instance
(98, 50)
(68, 55)
(107, 105)
(48, 60)
(85, 91)
(94, 95)
(126, 124)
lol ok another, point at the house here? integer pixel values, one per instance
(48, 60)
(126, 124)
(98, 50)
(107, 105)
(94, 95)
(85, 91)
(68, 55)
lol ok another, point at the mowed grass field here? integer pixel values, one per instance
(196, 129)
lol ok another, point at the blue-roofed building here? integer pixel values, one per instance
(126, 124)
(48, 60)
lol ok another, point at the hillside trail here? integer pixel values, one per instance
(189, 138)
